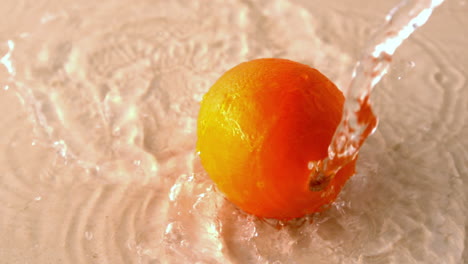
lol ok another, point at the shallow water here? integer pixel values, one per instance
(100, 100)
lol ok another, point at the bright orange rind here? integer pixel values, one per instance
(259, 126)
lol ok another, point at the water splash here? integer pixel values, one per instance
(358, 120)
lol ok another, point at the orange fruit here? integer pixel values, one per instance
(259, 126)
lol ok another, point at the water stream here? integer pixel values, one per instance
(358, 120)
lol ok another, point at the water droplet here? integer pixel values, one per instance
(88, 235)
(175, 190)
(184, 243)
(198, 97)
(116, 132)
(131, 244)
(168, 228)
(24, 35)
(189, 178)
(47, 17)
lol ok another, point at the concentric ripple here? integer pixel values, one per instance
(100, 101)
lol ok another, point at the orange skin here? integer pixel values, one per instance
(259, 126)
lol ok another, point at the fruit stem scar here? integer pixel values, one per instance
(319, 181)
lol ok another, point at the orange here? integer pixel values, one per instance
(259, 126)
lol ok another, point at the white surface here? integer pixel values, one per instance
(99, 102)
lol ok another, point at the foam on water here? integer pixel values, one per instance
(99, 103)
